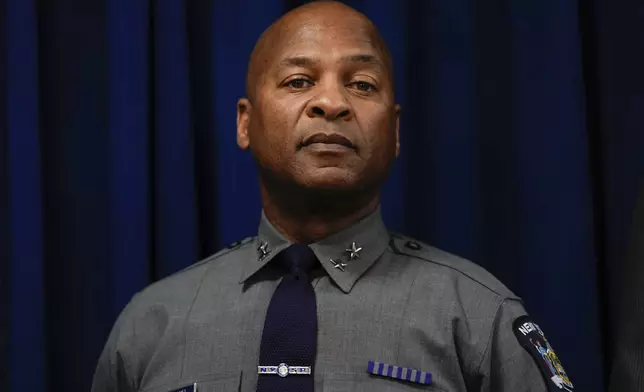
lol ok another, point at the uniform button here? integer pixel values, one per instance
(413, 245)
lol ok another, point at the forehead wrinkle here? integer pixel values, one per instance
(298, 61)
(305, 61)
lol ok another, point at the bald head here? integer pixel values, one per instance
(310, 17)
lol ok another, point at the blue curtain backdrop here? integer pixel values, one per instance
(522, 149)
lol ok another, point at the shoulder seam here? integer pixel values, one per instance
(189, 311)
(490, 336)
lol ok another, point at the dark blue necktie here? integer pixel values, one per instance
(289, 337)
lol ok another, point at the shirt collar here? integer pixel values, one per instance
(366, 240)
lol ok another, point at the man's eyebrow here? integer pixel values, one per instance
(364, 58)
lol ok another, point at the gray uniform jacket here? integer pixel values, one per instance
(399, 302)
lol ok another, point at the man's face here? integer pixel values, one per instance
(324, 115)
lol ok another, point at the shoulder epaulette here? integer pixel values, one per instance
(227, 249)
(404, 245)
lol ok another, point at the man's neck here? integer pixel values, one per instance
(307, 219)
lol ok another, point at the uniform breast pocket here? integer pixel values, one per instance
(371, 383)
(219, 384)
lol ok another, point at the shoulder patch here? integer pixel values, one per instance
(532, 338)
(404, 245)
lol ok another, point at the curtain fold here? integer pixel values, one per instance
(25, 250)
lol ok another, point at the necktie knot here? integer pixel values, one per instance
(299, 259)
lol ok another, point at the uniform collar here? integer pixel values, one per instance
(368, 237)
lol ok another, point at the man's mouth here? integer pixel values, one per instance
(329, 139)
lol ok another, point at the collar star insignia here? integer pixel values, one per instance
(338, 264)
(354, 251)
(263, 250)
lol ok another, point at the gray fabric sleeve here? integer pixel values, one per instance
(111, 370)
(506, 365)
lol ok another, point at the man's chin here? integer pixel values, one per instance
(331, 180)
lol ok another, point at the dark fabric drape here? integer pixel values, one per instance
(616, 99)
(627, 373)
(522, 146)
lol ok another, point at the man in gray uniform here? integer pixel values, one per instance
(390, 313)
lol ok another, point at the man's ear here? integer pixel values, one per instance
(244, 109)
(397, 110)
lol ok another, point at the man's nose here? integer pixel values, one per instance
(330, 104)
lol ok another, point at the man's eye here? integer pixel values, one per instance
(365, 86)
(299, 83)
